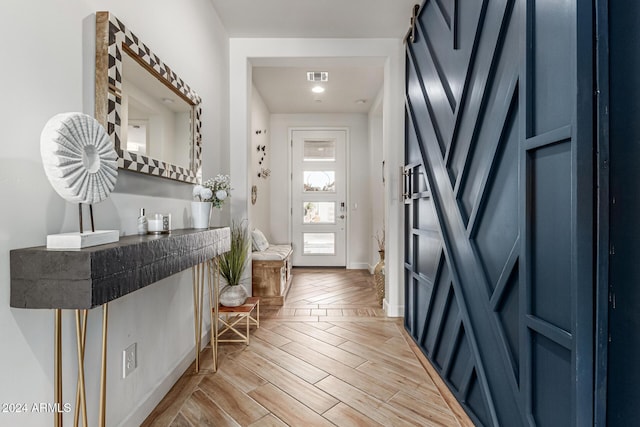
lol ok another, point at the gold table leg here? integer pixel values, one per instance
(214, 283)
(103, 370)
(81, 397)
(198, 298)
(57, 367)
(195, 276)
(81, 335)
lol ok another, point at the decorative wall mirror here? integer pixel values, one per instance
(151, 115)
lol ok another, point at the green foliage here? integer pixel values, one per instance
(232, 263)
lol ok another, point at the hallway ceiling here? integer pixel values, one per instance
(282, 83)
(285, 89)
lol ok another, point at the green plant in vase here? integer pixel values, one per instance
(232, 265)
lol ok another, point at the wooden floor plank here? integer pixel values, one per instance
(354, 339)
(354, 318)
(268, 421)
(343, 356)
(200, 410)
(267, 336)
(340, 361)
(306, 393)
(334, 312)
(233, 401)
(180, 421)
(380, 411)
(397, 364)
(169, 407)
(345, 416)
(323, 326)
(337, 295)
(380, 330)
(364, 335)
(324, 336)
(242, 378)
(438, 414)
(296, 366)
(344, 297)
(417, 381)
(288, 409)
(455, 407)
(295, 318)
(364, 381)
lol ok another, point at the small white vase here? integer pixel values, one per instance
(233, 296)
(200, 214)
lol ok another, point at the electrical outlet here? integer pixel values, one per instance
(129, 360)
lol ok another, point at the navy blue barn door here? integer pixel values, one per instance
(498, 189)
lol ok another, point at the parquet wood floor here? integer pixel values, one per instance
(328, 357)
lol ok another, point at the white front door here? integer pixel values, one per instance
(319, 197)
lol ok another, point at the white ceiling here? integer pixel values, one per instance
(282, 83)
(286, 89)
(315, 18)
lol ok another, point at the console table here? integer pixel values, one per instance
(83, 279)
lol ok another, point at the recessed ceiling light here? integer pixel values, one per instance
(317, 89)
(360, 101)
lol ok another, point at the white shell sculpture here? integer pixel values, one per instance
(78, 158)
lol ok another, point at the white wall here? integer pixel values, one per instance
(260, 213)
(51, 72)
(359, 219)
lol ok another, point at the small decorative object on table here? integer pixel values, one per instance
(378, 272)
(81, 165)
(160, 224)
(143, 223)
(232, 265)
(213, 192)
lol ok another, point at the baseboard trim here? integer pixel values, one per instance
(397, 311)
(453, 404)
(358, 266)
(152, 400)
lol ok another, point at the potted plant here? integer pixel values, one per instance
(212, 192)
(232, 265)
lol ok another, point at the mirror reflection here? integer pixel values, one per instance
(157, 119)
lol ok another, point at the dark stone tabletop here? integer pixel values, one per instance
(90, 277)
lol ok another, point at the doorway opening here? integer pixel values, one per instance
(251, 58)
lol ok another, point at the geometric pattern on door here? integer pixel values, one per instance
(493, 294)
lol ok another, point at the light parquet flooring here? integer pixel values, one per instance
(328, 357)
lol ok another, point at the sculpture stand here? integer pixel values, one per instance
(93, 229)
(82, 239)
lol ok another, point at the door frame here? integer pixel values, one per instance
(347, 171)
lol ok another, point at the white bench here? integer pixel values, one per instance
(271, 271)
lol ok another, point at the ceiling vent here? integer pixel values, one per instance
(318, 76)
